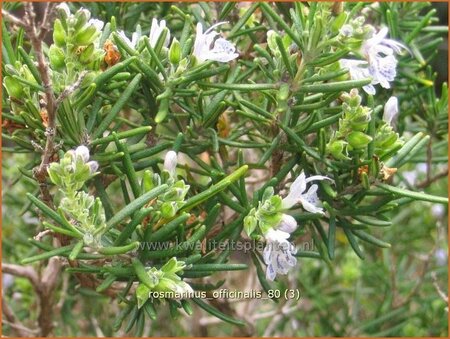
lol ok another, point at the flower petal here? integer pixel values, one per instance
(288, 224)
(390, 110)
(310, 201)
(295, 191)
(270, 273)
(82, 152)
(170, 162)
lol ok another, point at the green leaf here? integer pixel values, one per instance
(142, 274)
(214, 189)
(135, 205)
(120, 103)
(142, 295)
(215, 312)
(166, 229)
(370, 239)
(76, 250)
(114, 250)
(109, 279)
(334, 86)
(414, 195)
(218, 267)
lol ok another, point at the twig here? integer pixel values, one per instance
(12, 321)
(21, 271)
(433, 179)
(36, 35)
(438, 288)
(44, 287)
(13, 19)
(42, 234)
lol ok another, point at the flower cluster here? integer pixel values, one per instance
(353, 127)
(276, 226)
(387, 139)
(379, 62)
(84, 212)
(73, 170)
(76, 46)
(204, 49)
(164, 279)
(206, 45)
(173, 199)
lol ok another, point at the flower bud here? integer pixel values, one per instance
(170, 162)
(59, 34)
(93, 166)
(86, 35)
(54, 173)
(288, 224)
(26, 73)
(358, 139)
(87, 54)
(83, 153)
(168, 209)
(56, 56)
(249, 224)
(81, 16)
(271, 41)
(337, 149)
(13, 87)
(88, 79)
(98, 24)
(63, 10)
(390, 110)
(175, 52)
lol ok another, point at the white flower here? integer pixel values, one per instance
(390, 110)
(134, 38)
(83, 153)
(358, 70)
(380, 64)
(287, 224)
(93, 166)
(155, 32)
(278, 253)
(98, 24)
(170, 162)
(222, 50)
(308, 199)
(378, 44)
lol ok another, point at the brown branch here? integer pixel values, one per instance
(46, 294)
(22, 271)
(433, 179)
(11, 320)
(13, 19)
(36, 34)
(44, 287)
(438, 288)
